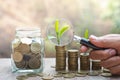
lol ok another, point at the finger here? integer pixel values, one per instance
(105, 42)
(102, 54)
(83, 48)
(111, 62)
(115, 69)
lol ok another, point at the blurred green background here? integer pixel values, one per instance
(100, 17)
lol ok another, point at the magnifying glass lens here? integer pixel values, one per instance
(62, 34)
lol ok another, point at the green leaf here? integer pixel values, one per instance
(63, 29)
(57, 26)
(86, 34)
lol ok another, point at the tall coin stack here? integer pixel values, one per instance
(72, 60)
(96, 65)
(60, 58)
(84, 61)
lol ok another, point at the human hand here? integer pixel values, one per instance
(108, 57)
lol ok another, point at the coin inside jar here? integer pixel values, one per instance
(35, 47)
(23, 48)
(17, 56)
(34, 63)
(21, 64)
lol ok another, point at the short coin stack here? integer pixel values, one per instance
(84, 61)
(72, 60)
(27, 56)
(60, 58)
(96, 65)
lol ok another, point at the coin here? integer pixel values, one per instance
(16, 44)
(61, 54)
(96, 65)
(57, 75)
(21, 64)
(26, 57)
(106, 70)
(17, 56)
(93, 73)
(73, 53)
(26, 40)
(34, 63)
(106, 74)
(69, 75)
(60, 68)
(35, 47)
(47, 77)
(80, 75)
(63, 72)
(23, 48)
(21, 77)
(83, 72)
(84, 61)
(62, 48)
(32, 75)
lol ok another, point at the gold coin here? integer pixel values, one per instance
(34, 63)
(21, 77)
(83, 72)
(72, 53)
(16, 44)
(106, 70)
(80, 75)
(58, 75)
(69, 75)
(21, 64)
(106, 74)
(93, 73)
(47, 77)
(17, 56)
(60, 48)
(23, 48)
(26, 40)
(32, 75)
(35, 47)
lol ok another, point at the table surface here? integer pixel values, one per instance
(6, 73)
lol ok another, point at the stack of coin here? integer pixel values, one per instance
(96, 65)
(60, 58)
(84, 61)
(72, 60)
(27, 56)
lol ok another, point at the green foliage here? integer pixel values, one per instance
(63, 30)
(60, 31)
(86, 34)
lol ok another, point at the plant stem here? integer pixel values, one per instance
(58, 39)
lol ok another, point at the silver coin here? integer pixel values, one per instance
(106, 74)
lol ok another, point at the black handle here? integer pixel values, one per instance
(86, 42)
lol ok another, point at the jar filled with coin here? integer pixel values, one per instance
(27, 50)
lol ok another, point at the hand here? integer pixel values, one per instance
(108, 57)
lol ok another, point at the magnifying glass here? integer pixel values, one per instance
(60, 32)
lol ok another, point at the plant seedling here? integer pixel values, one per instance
(86, 35)
(60, 31)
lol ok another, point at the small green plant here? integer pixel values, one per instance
(86, 34)
(60, 31)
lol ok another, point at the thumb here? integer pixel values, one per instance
(103, 42)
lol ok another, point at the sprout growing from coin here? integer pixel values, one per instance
(60, 31)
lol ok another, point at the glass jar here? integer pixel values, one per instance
(27, 50)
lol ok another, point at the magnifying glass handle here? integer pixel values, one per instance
(86, 42)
